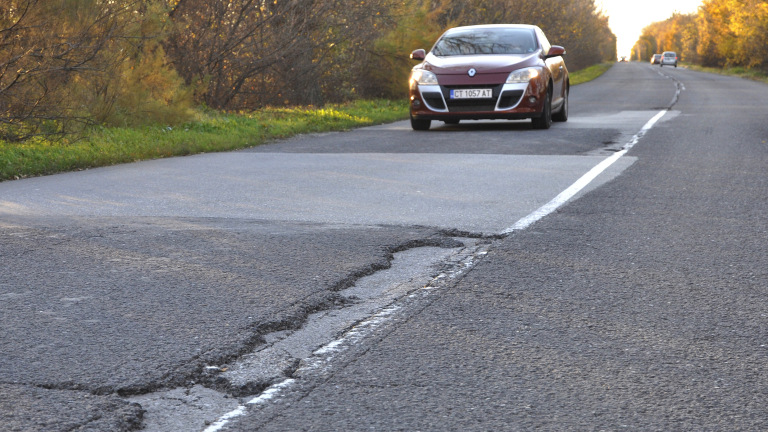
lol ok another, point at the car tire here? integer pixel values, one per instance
(451, 122)
(545, 120)
(420, 125)
(562, 114)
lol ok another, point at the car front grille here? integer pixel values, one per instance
(473, 86)
(471, 105)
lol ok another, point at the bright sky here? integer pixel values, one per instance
(628, 17)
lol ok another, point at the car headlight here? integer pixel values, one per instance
(523, 75)
(423, 77)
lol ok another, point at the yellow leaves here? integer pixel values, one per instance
(720, 33)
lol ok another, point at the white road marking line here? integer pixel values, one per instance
(271, 392)
(218, 424)
(265, 396)
(582, 182)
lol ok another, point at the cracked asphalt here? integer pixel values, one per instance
(130, 279)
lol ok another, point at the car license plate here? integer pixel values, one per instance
(471, 94)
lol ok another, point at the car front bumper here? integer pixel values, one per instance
(509, 102)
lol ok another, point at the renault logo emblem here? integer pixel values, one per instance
(472, 72)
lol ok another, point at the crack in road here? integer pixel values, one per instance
(679, 87)
(291, 353)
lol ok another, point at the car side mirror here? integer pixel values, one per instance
(555, 51)
(419, 54)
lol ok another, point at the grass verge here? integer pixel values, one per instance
(740, 72)
(210, 133)
(588, 74)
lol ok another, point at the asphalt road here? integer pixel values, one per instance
(640, 306)
(627, 307)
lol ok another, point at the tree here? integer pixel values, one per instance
(70, 63)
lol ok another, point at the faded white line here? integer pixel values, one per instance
(271, 392)
(582, 182)
(265, 396)
(321, 356)
(223, 420)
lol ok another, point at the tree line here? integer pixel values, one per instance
(67, 64)
(722, 33)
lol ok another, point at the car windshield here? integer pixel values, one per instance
(486, 41)
(669, 55)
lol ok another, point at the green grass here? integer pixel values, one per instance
(752, 74)
(210, 133)
(588, 74)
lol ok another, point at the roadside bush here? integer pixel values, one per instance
(72, 63)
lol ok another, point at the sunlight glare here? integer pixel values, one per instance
(627, 18)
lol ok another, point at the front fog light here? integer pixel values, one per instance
(532, 99)
(416, 103)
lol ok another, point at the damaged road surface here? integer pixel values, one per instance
(197, 293)
(116, 307)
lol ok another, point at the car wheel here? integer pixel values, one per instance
(562, 114)
(545, 120)
(451, 122)
(420, 125)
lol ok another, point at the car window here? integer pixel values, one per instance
(486, 41)
(669, 54)
(545, 45)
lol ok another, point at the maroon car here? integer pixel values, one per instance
(490, 72)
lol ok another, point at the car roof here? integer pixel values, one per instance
(483, 26)
(669, 52)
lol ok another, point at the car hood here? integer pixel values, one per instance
(483, 64)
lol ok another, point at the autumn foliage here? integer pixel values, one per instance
(722, 33)
(67, 64)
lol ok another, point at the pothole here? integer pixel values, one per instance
(228, 387)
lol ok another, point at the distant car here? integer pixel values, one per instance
(656, 59)
(669, 58)
(623, 59)
(502, 71)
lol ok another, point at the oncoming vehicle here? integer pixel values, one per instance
(656, 59)
(499, 71)
(669, 58)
